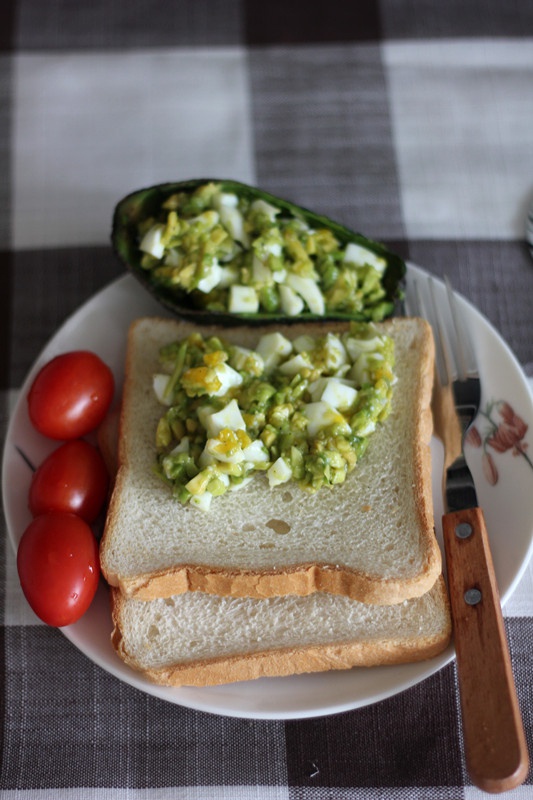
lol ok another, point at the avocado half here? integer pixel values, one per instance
(147, 202)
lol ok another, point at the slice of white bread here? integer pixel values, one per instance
(199, 639)
(371, 538)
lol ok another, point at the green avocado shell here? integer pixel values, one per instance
(147, 202)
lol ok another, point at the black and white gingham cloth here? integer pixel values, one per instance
(411, 121)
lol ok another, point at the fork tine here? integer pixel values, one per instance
(466, 362)
(413, 303)
(445, 367)
(423, 304)
(454, 356)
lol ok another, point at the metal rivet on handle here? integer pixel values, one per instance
(472, 597)
(463, 530)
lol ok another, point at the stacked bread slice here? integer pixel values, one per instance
(275, 581)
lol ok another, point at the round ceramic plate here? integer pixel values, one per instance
(101, 325)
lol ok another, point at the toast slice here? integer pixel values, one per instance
(198, 639)
(370, 539)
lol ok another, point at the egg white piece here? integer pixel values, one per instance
(355, 254)
(272, 348)
(228, 417)
(243, 299)
(228, 378)
(279, 472)
(322, 415)
(309, 291)
(151, 242)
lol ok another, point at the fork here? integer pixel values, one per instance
(495, 746)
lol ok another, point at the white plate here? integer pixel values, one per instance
(101, 325)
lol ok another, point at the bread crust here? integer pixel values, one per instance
(282, 661)
(307, 576)
(302, 580)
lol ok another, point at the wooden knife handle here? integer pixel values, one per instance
(495, 745)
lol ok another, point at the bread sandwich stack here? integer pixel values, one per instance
(272, 582)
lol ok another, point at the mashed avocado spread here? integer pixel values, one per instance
(243, 255)
(299, 410)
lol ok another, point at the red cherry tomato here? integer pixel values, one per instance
(71, 395)
(58, 567)
(72, 479)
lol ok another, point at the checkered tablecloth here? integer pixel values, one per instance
(410, 121)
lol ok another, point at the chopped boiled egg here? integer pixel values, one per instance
(337, 392)
(202, 501)
(228, 378)
(160, 383)
(232, 219)
(243, 299)
(322, 415)
(279, 275)
(228, 417)
(227, 199)
(339, 395)
(211, 278)
(308, 291)
(355, 254)
(361, 372)
(295, 365)
(357, 346)
(291, 303)
(265, 208)
(256, 452)
(272, 348)
(304, 343)
(246, 360)
(152, 241)
(260, 272)
(204, 221)
(214, 380)
(228, 450)
(279, 472)
(200, 482)
(173, 257)
(274, 248)
(335, 354)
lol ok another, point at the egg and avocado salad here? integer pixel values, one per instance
(236, 252)
(299, 410)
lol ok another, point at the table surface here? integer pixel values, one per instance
(410, 121)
